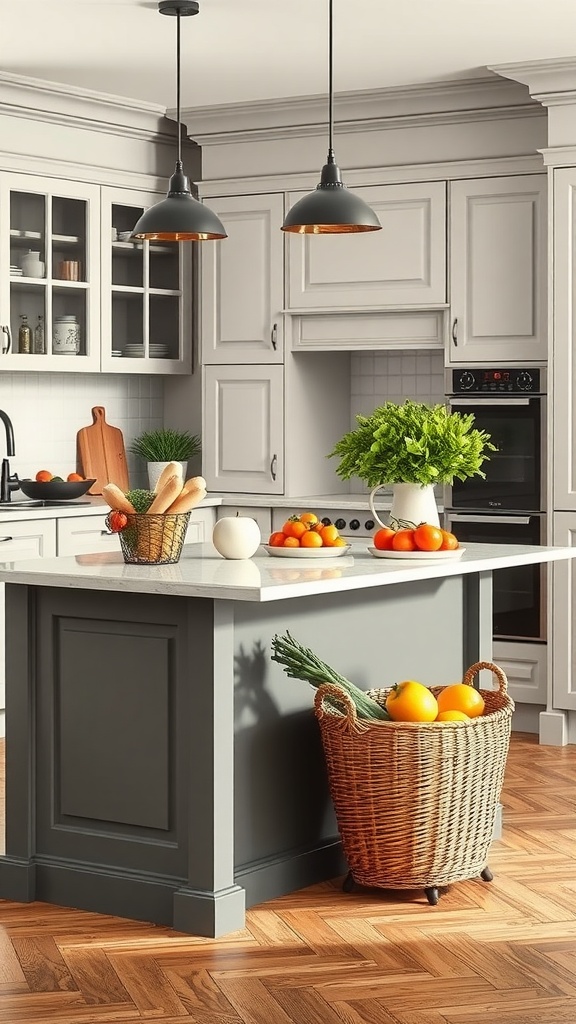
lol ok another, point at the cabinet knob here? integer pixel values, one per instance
(455, 331)
(273, 465)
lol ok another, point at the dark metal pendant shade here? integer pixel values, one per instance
(180, 217)
(331, 209)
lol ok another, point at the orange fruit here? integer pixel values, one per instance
(311, 539)
(452, 716)
(428, 537)
(329, 534)
(291, 542)
(309, 518)
(461, 697)
(403, 540)
(43, 476)
(449, 541)
(340, 542)
(383, 538)
(277, 539)
(74, 476)
(410, 701)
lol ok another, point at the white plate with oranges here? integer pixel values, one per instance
(305, 536)
(425, 542)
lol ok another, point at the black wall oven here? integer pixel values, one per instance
(508, 506)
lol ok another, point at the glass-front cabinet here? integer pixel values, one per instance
(146, 292)
(50, 280)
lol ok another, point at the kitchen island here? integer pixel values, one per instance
(159, 765)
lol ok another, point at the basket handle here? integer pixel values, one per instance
(494, 669)
(338, 696)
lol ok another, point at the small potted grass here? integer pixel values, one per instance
(158, 447)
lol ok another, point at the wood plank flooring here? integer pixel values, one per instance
(489, 953)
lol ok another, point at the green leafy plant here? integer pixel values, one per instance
(413, 443)
(166, 445)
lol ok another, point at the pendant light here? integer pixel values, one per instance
(180, 217)
(332, 209)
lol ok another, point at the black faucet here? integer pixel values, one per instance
(8, 483)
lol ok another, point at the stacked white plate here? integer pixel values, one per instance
(158, 351)
(16, 271)
(134, 351)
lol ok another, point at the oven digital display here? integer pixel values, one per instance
(495, 376)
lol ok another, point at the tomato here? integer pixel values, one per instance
(452, 716)
(403, 540)
(461, 697)
(410, 701)
(277, 539)
(117, 521)
(383, 538)
(449, 541)
(428, 537)
(43, 476)
(311, 539)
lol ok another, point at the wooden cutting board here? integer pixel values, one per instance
(100, 453)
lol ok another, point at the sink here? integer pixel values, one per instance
(5, 506)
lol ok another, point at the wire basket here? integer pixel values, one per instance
(153, 539)
(415, 802)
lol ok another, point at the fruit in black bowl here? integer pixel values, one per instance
(55, 490)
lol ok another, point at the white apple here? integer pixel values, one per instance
(236, 536)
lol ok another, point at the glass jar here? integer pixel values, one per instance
(24, 336)
(66, 336)
(39, 341)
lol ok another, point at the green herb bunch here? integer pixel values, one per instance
(413, 443)
(166, 445)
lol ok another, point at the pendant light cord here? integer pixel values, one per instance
(330, 84)
(178, 89)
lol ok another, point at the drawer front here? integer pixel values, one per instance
(82, 535)
(31, 539)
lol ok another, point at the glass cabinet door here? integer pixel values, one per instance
(49, 294)
(146, 293)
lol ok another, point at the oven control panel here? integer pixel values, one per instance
(500, 380)
(349, 522)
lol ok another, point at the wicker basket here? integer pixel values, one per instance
(153, 539)
(416, 802)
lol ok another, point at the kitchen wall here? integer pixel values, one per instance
(48, 409)
(378, 377)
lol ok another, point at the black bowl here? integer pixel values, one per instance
(55, 490)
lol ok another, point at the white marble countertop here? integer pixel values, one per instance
(87, 506)
(202, 572)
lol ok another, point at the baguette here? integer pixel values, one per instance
(117, 499)
(169, 469)
(187, 500)
(166, 496)
(193, 482)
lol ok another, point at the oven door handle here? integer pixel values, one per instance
(489, 399)
(512, 520)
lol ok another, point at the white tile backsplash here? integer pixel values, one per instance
(47, 410)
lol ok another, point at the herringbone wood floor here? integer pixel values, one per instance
(489, 953)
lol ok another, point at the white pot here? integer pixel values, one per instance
(156, 468)
(236, 536)
(412, 504)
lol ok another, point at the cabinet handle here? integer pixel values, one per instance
(4, 539)
(5, 328)
(455, 331)
(273, 467)
(274, 336)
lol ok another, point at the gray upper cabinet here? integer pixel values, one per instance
(242, 291)
(404, 265)
(498, 270)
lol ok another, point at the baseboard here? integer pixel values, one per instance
(277, 876)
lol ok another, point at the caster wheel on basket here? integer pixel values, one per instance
(348, 883)
(486, 875)
(432, 895)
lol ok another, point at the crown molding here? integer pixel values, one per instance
(550, 82)
(448, 101)
(56, 103)
(77, 171)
